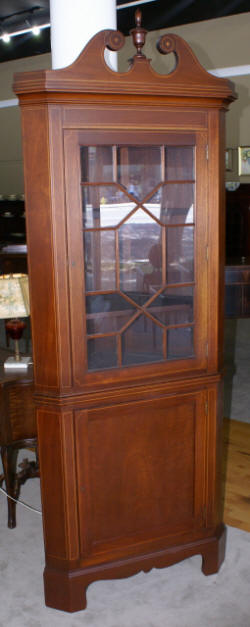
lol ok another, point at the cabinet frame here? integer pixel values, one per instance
(89, 100)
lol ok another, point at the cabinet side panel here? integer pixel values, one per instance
(58, 484)
(39, 241)
(215, 444)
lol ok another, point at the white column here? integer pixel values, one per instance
(73, 23)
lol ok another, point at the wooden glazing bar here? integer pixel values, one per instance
(114, 155)
(117, 260)
(119, 349)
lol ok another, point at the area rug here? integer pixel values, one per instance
(178, 596)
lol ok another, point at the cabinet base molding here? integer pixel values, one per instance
(66, 590)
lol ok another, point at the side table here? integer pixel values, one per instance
(17, 431)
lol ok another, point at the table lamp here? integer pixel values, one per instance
(14, 304)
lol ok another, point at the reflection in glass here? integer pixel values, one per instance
(173, 306)
(102, 353)
(142, 342)
(139, 169)
(180, 343)
(173, 203)
(96, 164)
(104, 206)
(138, 297)
(180, 254)
(140, 254)
(179, 163)
(107, 313)
(99, 248)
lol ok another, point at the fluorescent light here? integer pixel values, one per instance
(127, 5)
(13, 102)
(36, 30)
(6, 38)
(237, 70)
(24, 30)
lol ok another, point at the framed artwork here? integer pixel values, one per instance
(244, 160)
(229, 159)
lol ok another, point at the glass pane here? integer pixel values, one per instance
(179, 162)
(142, 342)
(139, 169)
(140, 254)
(138, 297)
(180, 343)
(104, 206)
(107, 313)
(96, 164)
(173, 203)
(99, 249)
(102, 353)
(174, 306)
(180, 254)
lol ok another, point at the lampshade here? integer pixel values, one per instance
(14, 296)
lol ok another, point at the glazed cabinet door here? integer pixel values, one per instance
(137, 225)
(141, 474)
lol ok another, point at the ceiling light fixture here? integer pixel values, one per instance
(127, 5)
(30, 29)
(36, 30)
(6, 38)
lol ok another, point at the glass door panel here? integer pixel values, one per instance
(138, 214)
(139, 169)
(100, 262)
(142, 342)
(180, 254)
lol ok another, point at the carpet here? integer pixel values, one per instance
(178, 596)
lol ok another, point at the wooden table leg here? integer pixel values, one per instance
(13, 479)
(9, 461)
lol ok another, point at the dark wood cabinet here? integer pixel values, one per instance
(12, 222)
(237, 286)
(13, 249)
(124, 187)
(238, 223)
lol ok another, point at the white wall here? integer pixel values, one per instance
(11, 170)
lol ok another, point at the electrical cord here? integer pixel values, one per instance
(33, 509)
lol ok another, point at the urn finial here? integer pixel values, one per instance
(139, 34)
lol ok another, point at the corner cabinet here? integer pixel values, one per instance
(125, 224)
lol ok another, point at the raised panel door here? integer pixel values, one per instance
(141, 473)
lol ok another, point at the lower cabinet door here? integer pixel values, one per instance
(141, 474)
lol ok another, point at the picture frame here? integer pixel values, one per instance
(244, 160)
(229, 159)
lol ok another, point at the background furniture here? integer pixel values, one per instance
(13, 260)
(238, 223)
(17, 431)
(237, 280)
(12, 222)
(126, 274)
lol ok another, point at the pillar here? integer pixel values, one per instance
(74, 23)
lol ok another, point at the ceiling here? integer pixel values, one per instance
(19, 14)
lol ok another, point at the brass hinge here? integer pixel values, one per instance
(206, 408)
(207, 252)
(207, 152)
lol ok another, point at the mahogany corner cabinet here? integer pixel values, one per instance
(124, 188)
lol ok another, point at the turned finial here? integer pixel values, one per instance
(139, 34)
